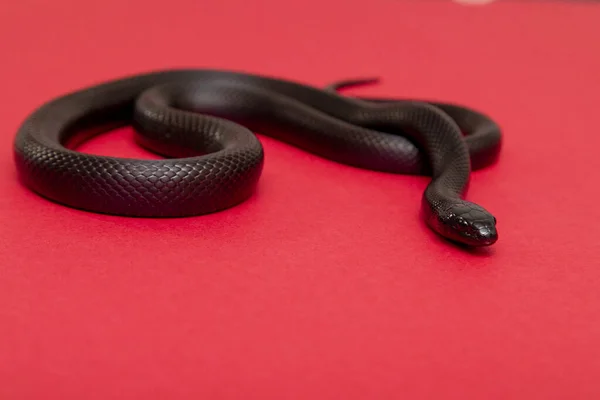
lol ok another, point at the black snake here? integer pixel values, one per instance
(202, 121)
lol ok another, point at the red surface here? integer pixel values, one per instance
(325, 285)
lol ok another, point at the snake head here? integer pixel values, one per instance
(470, 224)
(465, 223)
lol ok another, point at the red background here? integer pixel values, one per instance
(324, 285)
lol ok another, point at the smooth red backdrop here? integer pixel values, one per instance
(324, 285)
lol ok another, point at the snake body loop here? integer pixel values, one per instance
(203, 122)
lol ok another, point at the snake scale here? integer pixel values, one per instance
(202, 122)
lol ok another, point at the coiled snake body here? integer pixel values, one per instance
(203, 122)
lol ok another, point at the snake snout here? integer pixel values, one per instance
(486, 235)
(478, 233)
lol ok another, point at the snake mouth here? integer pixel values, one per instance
(483, 236)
